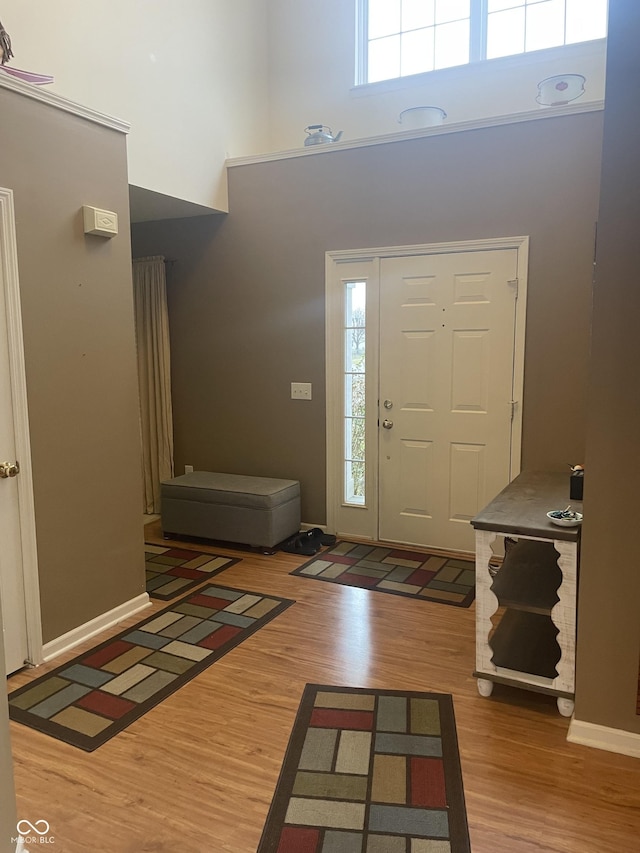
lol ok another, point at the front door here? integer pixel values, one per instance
(447, 336)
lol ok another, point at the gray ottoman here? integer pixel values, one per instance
(231, 507)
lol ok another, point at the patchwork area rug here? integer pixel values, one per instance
(173, 571)
(395, 570)
(97, 694)
(369, 770)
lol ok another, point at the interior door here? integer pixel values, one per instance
(12, 594)
(447, 326)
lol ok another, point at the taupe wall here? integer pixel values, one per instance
(609, 624)
(77, 308)
(246, 292)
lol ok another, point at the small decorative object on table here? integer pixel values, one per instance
(565, 517)
(576, 482)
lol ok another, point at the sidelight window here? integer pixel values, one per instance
(354, 391)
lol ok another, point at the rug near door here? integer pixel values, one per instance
(91, 698)
(173, 571)
(369, 770)
(395, 570)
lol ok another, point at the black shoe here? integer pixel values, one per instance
(321, 537)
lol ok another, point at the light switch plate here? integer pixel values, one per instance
(300, 390)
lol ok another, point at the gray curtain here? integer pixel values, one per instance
(154, 376)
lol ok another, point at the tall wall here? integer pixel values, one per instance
(246, 295)
(190, 77)
(609, 625)
(312, 75)
(77, 310)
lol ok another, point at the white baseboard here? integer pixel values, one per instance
(84, 632)
(602, 737)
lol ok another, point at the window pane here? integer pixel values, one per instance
(354, 476)
(384, 18)
(451, 10)
(417, 14)
(586, 19)
(356, 295)
(452, 44)
(354, 350)
(505, 33)
(545, 25)
(384, 59)
(499, 5)
(357, 439)
(418, 51)
(357, 396)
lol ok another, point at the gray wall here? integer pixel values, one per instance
(246, 294)
(609, 624)
(77, 308)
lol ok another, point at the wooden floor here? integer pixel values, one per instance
(197, 773)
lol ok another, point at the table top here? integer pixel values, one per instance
(522, 507)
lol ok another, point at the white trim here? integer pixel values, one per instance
(45, 96)
(26, 510)
(348, 265)
(453, 127)
(103, 622)
(603, 737)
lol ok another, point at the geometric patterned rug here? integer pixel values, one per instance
(395, 570)
(173, 571)
(369, 770)
(91, 698)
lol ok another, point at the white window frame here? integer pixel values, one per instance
(477, 47)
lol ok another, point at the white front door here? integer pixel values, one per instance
(18, 563)
(447, 324)
(425, 367)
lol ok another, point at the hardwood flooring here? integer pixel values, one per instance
(197, 773)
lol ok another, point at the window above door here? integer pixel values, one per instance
(401, 38)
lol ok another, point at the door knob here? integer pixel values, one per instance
(387, 424)
(9, 470)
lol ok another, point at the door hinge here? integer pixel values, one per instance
(513, 404)
(514, 283)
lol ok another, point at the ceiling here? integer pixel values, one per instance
(148, 206)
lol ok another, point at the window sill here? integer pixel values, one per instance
(488, 67)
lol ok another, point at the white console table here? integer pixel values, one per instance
(526, 603)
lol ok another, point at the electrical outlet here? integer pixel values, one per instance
(300, 390)
(188, 469)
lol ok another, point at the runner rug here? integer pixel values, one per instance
(369, 771)
(91, 698)
(395, 570)
(173, 571)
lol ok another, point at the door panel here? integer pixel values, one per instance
(447, 326)
(12, 595)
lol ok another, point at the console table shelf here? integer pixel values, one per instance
(526, 606)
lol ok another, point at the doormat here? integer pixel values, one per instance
(395, 570)
(173, 571)
(89, 699)
(374, 770)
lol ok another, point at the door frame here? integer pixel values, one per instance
(364, 265)
(15, 343)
